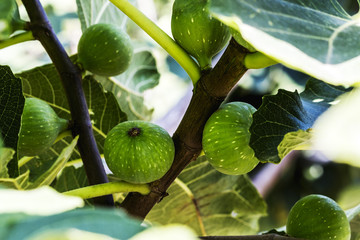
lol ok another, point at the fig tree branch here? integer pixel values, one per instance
(209, 93)
(71, 80)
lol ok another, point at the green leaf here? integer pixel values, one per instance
(11, 106)
(288, 112)
(129, 87)
(210, 202)
(9, 18)
(71, 178)
(21, 182)
(48, 177)
(299, 140)
(7, 221)
(44, 83)
(111, 222)
(6, 154)
(316, 37)
(100, 11)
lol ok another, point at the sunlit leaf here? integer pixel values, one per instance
(299, 140)
(210, 202)
(129, 87)
(316, 37)
(100, 11)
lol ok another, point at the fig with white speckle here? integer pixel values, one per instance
(226, 139)
(105, 49)
(40, 126)
(195, 30)
(317, 217)
(139, 151)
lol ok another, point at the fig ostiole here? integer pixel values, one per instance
(138, 151)
(226, 139)
(40, 127)
(105, 49)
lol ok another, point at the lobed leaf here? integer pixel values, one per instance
(210, 202)
(315, 37)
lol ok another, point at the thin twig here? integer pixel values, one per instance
(71, 79)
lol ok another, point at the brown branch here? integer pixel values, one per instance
(209, 93)
(71, 79)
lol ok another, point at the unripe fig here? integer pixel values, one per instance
(195, 30)
(317, 217)
(40, 126)
(138, 151)
(105, 49)
(226, 139)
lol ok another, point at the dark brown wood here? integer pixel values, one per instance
(71, 80)
(209, 93)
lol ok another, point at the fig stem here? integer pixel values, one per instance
(19, 38)
(108, 188)
(163, 39)
(258, 60)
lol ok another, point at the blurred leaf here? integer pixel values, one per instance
(289, 112)
(172, 231)
(40, 201)
(44, 83)
(100, 11)
(316, 37)
(336, 132)
(353, 216)
(11, 107)
(48, 177)
(111, 222)
(71, 178)
(129, 87)
(9, 18)
(69, 234)
(211, 202)
(7, 221)
(21, 182)
(299, 140)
